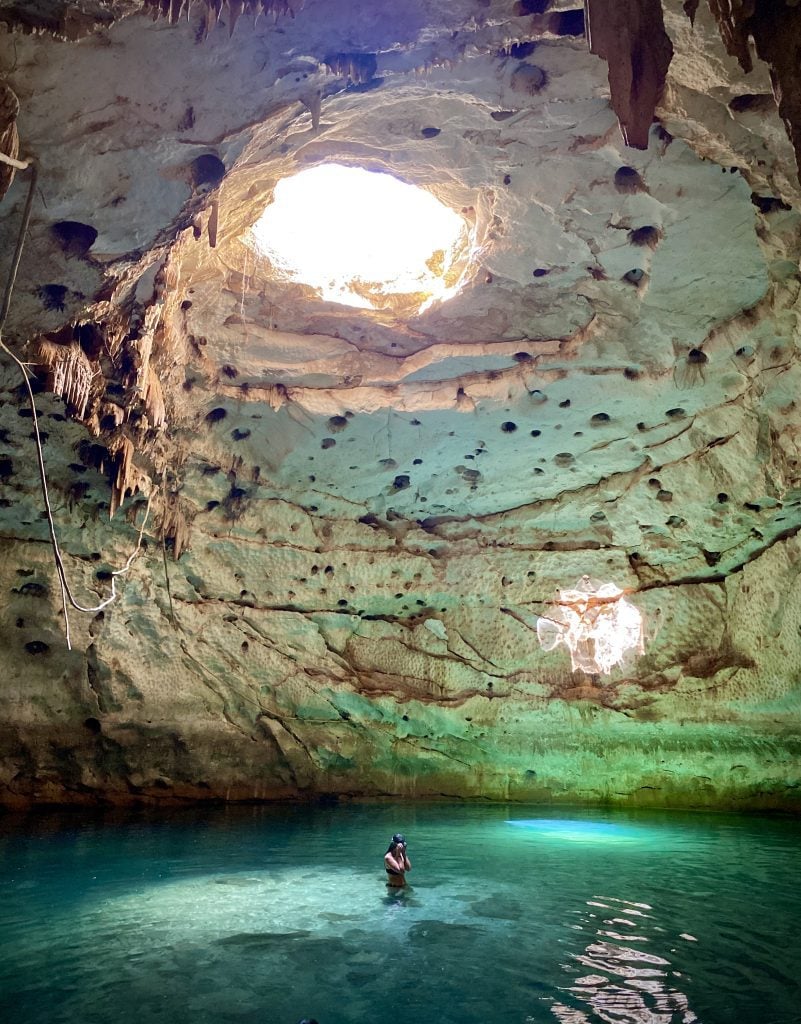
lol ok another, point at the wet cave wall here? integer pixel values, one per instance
(345, 523)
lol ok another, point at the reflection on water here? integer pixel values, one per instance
(593, 833)
(628, 984)
(267, 915)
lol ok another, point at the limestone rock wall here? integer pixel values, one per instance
(229, 687)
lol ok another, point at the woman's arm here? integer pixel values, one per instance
(392, 861)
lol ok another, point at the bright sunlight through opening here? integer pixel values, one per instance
(359, 237)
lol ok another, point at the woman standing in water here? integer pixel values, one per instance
(396, 861)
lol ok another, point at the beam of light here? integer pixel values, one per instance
(597, 625)
(358, 236)
(582, 832)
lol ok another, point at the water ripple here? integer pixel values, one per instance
(629, 985)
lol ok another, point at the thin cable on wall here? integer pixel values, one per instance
(66, 593)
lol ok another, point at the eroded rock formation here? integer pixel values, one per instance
(350, 519)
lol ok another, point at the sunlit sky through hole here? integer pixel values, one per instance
(330, 226)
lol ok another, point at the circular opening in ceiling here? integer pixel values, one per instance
(363, 238)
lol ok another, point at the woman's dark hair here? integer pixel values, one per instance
(397, 840)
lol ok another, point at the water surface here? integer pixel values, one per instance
(514, 914)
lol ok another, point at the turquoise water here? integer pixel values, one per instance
(514, 914)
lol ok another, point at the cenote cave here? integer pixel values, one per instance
(399, 433)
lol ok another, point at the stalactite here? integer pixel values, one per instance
(60, 18)
(125, 480)
(155, 408)
(110, 416)
(775, 26)
(70, 373)
(173, 9)
(359, 68)
(732, 17)
(314, 104)
(9, 140)
(214, 220)
(175, 522)
(690, 9)
(630, 35)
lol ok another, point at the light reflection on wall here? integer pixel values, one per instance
(597, 625)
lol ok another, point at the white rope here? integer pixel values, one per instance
(21, 165)
(66, 593)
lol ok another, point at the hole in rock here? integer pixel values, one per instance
(627, 179)
(768, 204)
(528, 79)
(758, 102)
(532, 7)
(53, 296)
(362, 237)
(519, 51)
(567, 23)
(75, 239)
(207, 170)
(33, 589)
(646, 235)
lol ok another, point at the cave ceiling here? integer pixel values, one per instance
(612, 390)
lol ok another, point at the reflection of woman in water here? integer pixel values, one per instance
(396, 861)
